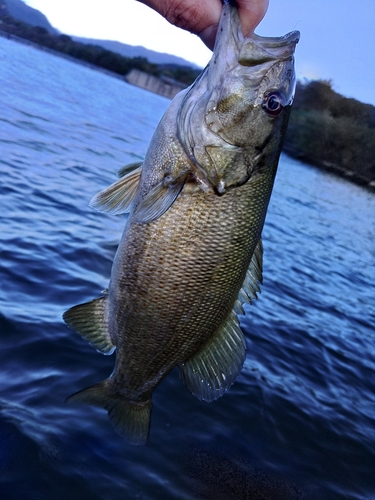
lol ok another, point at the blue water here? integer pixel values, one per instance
(298, 423)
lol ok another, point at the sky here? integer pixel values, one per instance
(337, 36)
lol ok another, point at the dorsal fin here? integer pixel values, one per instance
(250, 286)
(216, 366)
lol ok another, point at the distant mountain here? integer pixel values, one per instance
(137, 51)
(19, 10)
(23, 12)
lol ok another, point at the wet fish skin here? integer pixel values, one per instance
(191, 251)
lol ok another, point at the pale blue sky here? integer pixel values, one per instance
(337, 41)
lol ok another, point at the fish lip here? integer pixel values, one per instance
(269, 42)
(234, 46)
(233, 53)
(256, 50)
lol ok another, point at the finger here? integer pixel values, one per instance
(200, 17)
(251, 13)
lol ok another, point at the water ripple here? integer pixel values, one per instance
(298, 422)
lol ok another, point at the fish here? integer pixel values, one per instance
(191, 252)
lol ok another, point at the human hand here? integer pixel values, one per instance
(201, 17)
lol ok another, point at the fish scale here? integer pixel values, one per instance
(190, 277)
(191, 252)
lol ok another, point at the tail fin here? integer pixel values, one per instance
(130, 419)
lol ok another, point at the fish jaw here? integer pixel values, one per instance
(230, 116)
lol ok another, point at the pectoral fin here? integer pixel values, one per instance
(89, 320)
(130, 167)
(213, 370)
(159, 200)
(116, 198)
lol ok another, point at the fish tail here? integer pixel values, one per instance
(131, 419)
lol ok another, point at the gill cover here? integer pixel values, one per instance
(230, 112)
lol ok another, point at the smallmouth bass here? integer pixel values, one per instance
(191, 252)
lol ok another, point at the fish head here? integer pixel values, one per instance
(233, 119)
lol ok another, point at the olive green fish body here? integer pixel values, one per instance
(191, 252)
(173, 285)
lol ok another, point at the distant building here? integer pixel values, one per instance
(164, 86)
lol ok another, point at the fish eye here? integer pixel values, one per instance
(273, 103)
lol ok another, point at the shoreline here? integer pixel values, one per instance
(158, 85)
(331, 168)
(161, 87)
(24, 41)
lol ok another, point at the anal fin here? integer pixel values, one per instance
(89, 320)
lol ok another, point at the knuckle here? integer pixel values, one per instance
(185, 15)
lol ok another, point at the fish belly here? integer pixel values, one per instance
(174, 281)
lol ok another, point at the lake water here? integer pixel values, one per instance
(298, 423)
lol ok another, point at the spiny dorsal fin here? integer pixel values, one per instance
(214, 368)
(116, 198)
(250, 286)
(159, 200)
(256, 264)
(89, 321)
(126, 169)
(131, 419)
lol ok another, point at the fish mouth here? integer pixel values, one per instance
(242, 69)
(274, 42)
(232, 47)
(259, 50)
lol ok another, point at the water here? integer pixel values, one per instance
(298, 423)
